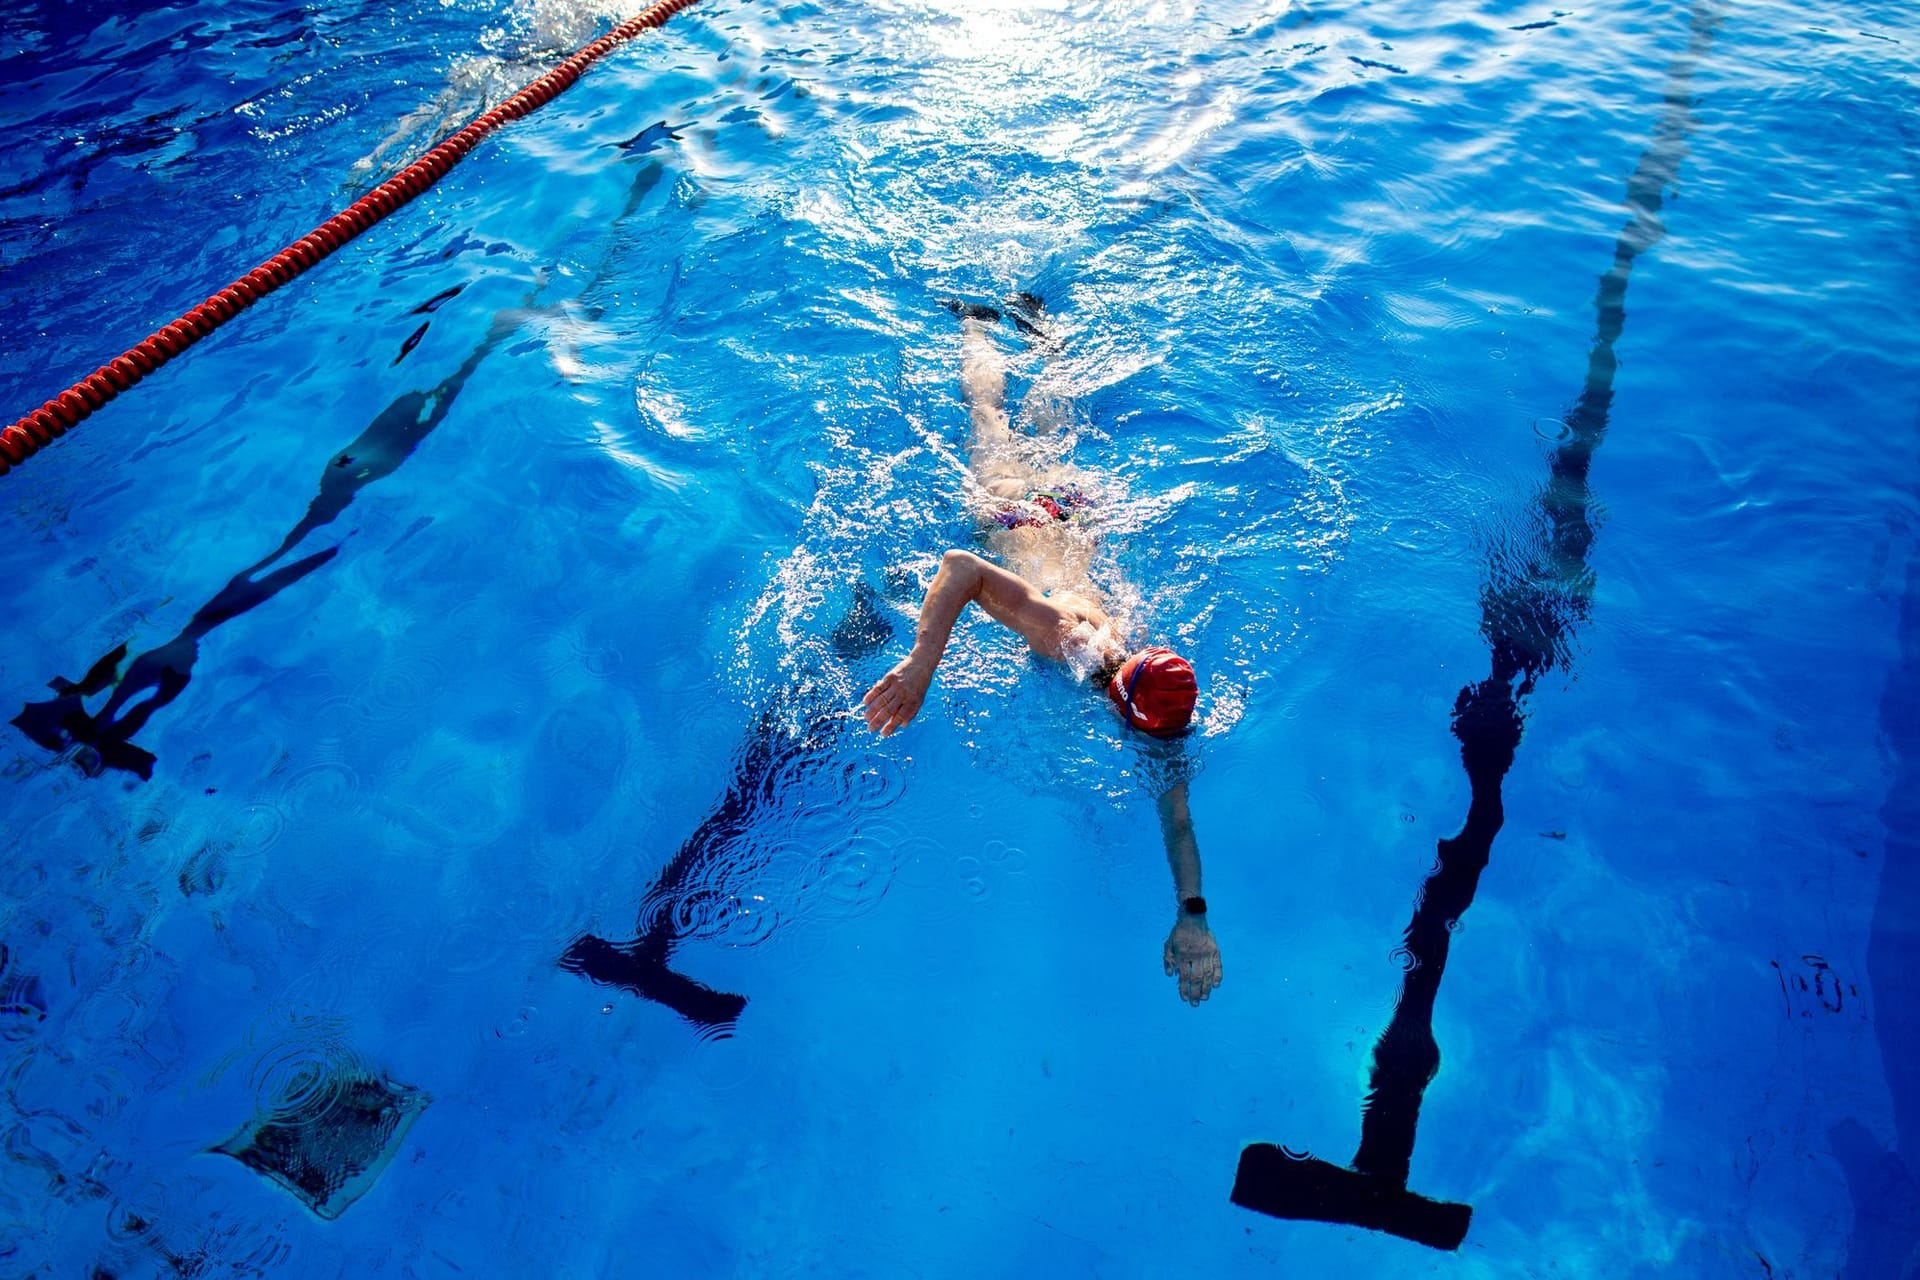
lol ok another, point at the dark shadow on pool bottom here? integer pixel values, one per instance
(1535, 597)
(801, 722)
(102, 740)
(1881, 1177)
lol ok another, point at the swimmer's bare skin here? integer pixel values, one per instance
(1047, 624)
(1070, 623)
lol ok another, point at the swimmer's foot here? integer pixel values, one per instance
(970, 310)
(1028, 311)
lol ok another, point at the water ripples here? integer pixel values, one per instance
(811, 850)
(324, 790)
(854, 879)
(462, 801)
(23, 999)
(1256, 243)
(303, 1071)
(345, 974)
(742, 919)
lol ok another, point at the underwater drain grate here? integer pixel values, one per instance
(329, 1155)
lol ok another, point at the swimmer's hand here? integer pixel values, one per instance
(1193, 957)
(896, 699)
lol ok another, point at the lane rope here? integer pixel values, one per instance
(53, 419)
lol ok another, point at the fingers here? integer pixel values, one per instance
(889, 705)
(1198, 975)
(1167, 957)
(1193, 982)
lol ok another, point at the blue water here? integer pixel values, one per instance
(1324, 280)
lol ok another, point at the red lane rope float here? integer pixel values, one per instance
(28, 435)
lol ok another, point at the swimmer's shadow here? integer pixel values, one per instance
(101, 740)
(640, 966)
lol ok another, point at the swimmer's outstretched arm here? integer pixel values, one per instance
(1191, 954)
(964, 578)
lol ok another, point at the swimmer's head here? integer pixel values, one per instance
(1155, 690)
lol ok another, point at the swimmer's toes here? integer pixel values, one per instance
(1031, 329)
(970, 310)
(1031, 305)
(1029, 315)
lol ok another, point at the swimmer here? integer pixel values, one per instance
(1036, 519)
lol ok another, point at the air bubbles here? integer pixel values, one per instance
(978, 877)
(1404, 960)
(971, 877)
(521, 1023)
(1552, 430)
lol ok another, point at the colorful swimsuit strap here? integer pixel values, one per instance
(1061, 504)
(1071, 495)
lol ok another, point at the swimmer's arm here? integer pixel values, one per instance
(963, 578)
(1183, 847)
(1191, 955)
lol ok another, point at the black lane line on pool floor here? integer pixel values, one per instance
(1883, 1178)
(1528, 621)
(804, 722)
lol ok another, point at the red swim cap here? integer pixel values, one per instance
(1155, 690)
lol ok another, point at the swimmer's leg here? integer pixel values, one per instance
(1048, 413)
(993, 454)
(1028, 311)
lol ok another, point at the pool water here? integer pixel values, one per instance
(447, 844)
